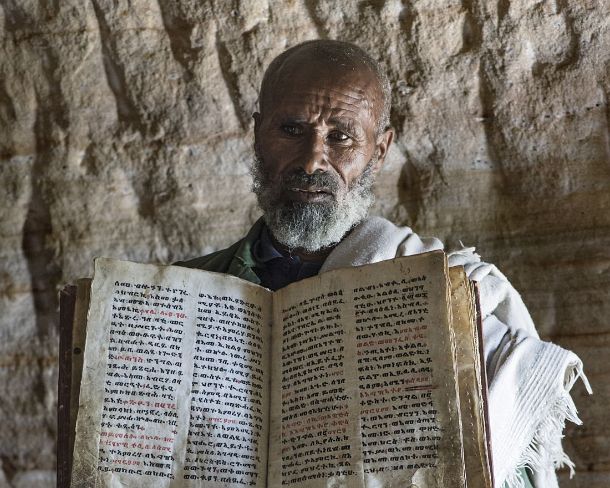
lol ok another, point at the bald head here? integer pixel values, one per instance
(330, 60)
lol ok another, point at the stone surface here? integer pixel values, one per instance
(126, 131)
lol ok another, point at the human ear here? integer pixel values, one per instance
(381, 147)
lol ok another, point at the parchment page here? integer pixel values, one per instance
(174, 360)
(364, 394)
(478, 471)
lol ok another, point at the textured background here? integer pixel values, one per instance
(126, 131)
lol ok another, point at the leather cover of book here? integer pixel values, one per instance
(67, 302)
(73, 307)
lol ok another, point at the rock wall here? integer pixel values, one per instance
(126, 131)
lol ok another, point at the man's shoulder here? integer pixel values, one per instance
(218, 261)
(237, 259)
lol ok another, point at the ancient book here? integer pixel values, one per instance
(368, 376)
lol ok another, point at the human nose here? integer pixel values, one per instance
(314, 155)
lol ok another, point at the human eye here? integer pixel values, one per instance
(338, 136)
(291, 129)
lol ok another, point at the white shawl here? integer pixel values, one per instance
(529, 380)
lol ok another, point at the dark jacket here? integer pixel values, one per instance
(237, 259)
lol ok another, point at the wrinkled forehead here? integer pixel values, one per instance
(308, 84)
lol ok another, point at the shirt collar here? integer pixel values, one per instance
(264, 250)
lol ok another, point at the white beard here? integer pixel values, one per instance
(313, 226)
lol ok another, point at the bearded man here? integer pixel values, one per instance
(321, 135)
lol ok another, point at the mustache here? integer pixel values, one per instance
(319, 180)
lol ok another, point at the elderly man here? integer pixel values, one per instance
(321, 135)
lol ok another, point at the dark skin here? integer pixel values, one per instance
(321, 117)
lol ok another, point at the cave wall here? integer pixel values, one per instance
(126, 131)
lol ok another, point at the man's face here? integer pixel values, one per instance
(317, 150)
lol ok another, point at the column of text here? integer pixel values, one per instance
(144, 368)
(227, 410)
(315, 413)
(395, 375)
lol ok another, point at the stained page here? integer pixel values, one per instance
(364, 392)
(472, 408)
(174, 386)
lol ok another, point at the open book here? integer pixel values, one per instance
(360, 377)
